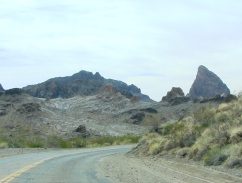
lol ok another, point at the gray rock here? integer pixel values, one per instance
(218, 99)
(83, 83)
(207, 85)
(1, 88)
(175, 96)
(82, 130)
(175, 92)
(138, 118)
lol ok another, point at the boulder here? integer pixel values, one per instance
(138, 118)
(82, 130)
(207, 85)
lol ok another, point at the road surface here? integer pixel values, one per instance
(79, 165)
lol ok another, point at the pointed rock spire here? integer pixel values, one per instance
(207, 84)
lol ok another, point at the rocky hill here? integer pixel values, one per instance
(83, 83)
(207, 84)
(1, 88)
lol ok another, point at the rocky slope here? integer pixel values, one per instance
(83, 83)
(207, 84)
(107, 113)
(1, 88)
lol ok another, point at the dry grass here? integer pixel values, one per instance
(224, 107)
(211, 135)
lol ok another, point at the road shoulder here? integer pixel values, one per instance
(121, 168)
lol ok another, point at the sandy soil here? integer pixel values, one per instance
(120, 168)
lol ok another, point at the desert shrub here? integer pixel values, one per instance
(235, 150)
(223, 117)
(224, 107)
(236, 135)
(78, 142)
(53, 142)
(214, 156)
(203, 115)
(35, 145)
(93, 145)
(106, 144)
(155, 148)
(233, 162)
(183, 152)
(64, 144)
(171, 128)
(170, 144)
(202, 145)
(126, 141)
(153, 122)
(240, 95)
(4, 145)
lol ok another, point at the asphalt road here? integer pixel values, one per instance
(79, 166)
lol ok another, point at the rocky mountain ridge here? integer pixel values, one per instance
(83, 83)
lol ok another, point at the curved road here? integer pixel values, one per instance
(79, 165)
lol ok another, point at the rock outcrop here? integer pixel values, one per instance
(82, 130)
(138, 118)
(207, 85)
(134, 99)
(175, 96)
(83, 83)
(108, 90)
(218, 99)
(1, 88)
(29, 107)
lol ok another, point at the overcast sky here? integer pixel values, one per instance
(154, 44)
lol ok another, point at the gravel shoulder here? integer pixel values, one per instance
(121, 169)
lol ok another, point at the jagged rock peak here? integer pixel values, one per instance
(1, 88)
(175, 92)
(207, 84)
(87, 75)
(82, 83)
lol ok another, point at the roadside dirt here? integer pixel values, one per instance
(122, 169)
